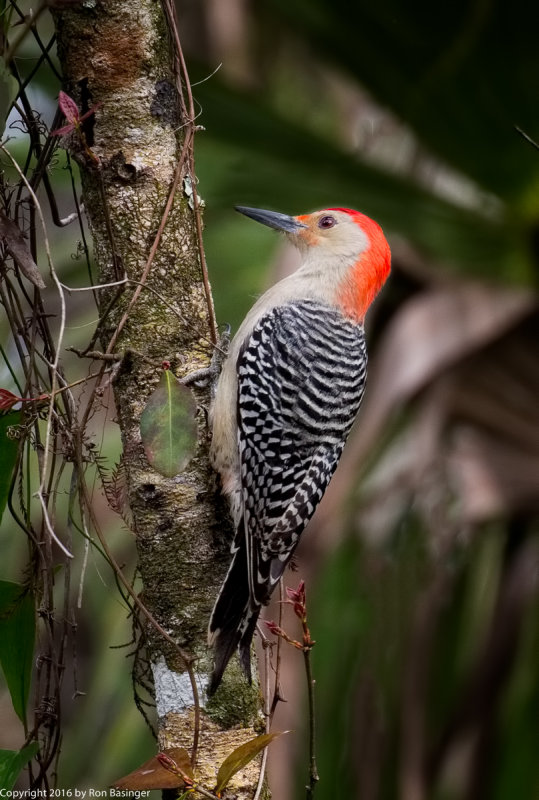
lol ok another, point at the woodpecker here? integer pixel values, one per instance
(285, 401)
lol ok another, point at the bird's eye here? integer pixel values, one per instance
(327, 222)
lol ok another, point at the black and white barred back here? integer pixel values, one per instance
(301, 377)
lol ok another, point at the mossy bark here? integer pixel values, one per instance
(119, 54)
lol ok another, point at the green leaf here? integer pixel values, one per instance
(241, 756)
(168, 426)
(17, 635)
(12, 762)
(8, 456)
(8, 92)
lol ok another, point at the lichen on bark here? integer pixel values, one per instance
(119, 54)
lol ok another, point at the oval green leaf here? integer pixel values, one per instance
(11, 764)
(168, 426)
(241, 756)
(17, 634)
(8, 455)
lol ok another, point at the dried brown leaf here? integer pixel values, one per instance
(153, 775)
(19, 250)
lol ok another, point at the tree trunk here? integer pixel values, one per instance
(121, 55)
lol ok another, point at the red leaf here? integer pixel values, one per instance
(8, 399)
(297, 598)
(68, 107)
(63, 130)
(90, 111)
(297, 595)
(273, 627)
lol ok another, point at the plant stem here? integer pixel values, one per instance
(313, 771)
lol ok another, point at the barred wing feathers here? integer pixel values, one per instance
(301, 380)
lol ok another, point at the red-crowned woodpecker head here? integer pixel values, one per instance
(342, 238)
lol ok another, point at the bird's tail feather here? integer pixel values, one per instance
(232, 622)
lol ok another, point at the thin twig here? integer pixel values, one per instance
(266, 644)
(116, 262)
(42, 47)
(189, 135)
(29, 22)
(186, 658)
(78, 207)
(146, 271)
(313, 771)
(76, 383)
(125, 282)
(298, 600)
(54, 376)
(97, 355)
(277, 696)
(95, 288)
(87, 541)
(527, 137)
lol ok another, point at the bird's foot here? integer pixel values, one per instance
(210, 374)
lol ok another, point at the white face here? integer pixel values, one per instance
(331, 233)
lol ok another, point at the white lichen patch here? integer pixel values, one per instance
(173, 692)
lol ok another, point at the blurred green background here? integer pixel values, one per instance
(422, 566)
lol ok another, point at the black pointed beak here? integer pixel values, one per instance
(273, 219)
